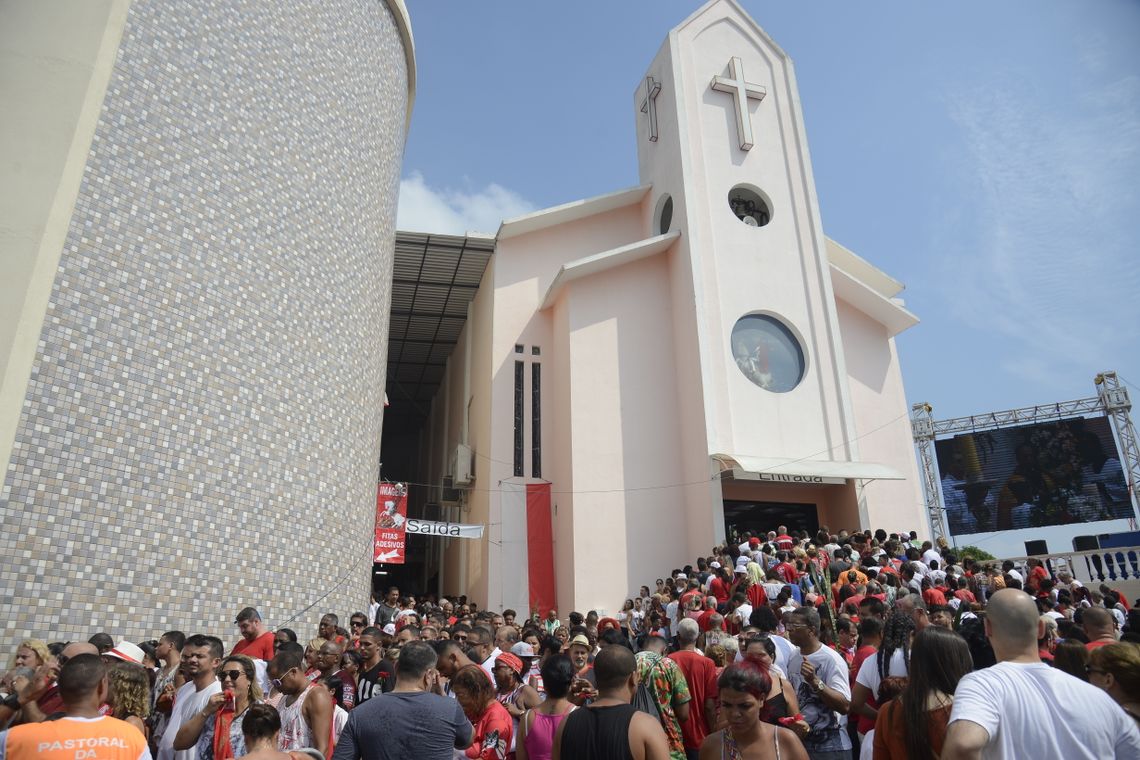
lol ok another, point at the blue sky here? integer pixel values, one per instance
(986, 154)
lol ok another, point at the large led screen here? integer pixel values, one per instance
(1051, 473)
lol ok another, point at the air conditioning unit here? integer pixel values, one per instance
(449, 495)
(462, 466)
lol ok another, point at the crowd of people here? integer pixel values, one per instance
(780, 645)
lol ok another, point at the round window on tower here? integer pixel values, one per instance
(750, 205)
(664, 214)
(768, 353)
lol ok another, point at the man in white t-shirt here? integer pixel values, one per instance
(1022, 707)
(201, 656)
(671, 611)
(742, 610)
(821, 680)
(930, 554)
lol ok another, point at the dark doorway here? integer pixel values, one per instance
(763, 516)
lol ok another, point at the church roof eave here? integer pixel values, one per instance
(600, 262)
(888, 312)
(570, 212)
(858, 267)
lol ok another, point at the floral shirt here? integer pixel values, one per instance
(667, 683)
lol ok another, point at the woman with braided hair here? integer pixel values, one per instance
(892, 661)
(913, 727)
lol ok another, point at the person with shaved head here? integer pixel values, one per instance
(1022, 707)
(1099, 627)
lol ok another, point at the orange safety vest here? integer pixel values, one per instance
(104, 738)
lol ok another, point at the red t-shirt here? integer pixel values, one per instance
(493, 733)
(1036, 575)
(787, 571)
(719, 589)
(933, 596)
(756, 595)
(260, 648)
(861, 654)
(700, 675)
(703, 620)
(784, 542)
(1098, 644)
(50, 702)
(966, 596)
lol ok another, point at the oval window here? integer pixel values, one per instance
(664, 215)
(768, 353)
(749, 206)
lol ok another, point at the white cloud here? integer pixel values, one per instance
(455, 212)
(1047, 267)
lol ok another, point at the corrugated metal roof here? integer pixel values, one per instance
(434, 277)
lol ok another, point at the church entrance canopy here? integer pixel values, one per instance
(810, 471)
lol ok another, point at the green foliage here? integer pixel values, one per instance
(974, 553)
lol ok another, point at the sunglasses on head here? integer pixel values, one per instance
(232, 675)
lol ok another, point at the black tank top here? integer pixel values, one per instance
(598, 733)
(776, 707)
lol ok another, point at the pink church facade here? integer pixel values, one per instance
(679, 360)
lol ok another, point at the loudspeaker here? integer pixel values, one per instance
(1036, 548)
(1085, 543)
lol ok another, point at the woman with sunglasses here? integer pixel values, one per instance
(221, 737)
(1116, 669)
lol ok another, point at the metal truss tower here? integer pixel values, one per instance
(1117, 405)
(1111, 400)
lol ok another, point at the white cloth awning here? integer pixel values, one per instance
(811, 471)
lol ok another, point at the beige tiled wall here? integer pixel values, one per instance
(201, 430)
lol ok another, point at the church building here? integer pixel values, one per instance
(642, 375)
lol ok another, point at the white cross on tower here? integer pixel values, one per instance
(649, 105)
(741, 91)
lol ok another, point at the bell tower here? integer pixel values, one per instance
(721, 141)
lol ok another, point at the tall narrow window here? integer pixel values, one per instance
(519, 419)
(536, 420)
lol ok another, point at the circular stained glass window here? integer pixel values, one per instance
(768, 353)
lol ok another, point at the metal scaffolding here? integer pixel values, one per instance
(1111, 400)
(1117, 405)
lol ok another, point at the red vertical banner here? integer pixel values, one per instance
(391, 522)
(540, 549)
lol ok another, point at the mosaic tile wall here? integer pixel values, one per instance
(202, 426)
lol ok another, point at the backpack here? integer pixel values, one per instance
(644, 699)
